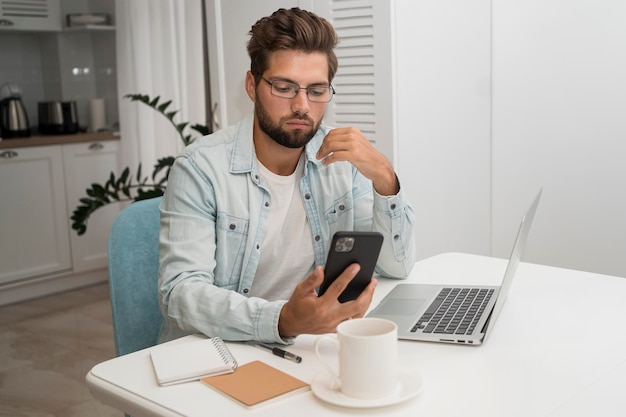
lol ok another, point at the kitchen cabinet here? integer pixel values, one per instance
(40, 188)
(28, 15)
(86, 163)
(34, 240)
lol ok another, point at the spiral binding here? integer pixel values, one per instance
(224, 352)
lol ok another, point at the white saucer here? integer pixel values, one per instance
(409, 385)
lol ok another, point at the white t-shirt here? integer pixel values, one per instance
(287, 251)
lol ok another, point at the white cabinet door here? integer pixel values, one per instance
(34, 238)
(42, 15)
(364, 80)
(87, 163)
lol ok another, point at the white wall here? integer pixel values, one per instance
(559, 120)
(443, 121)
(497, 98)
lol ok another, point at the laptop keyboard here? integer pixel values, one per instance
(455, 311)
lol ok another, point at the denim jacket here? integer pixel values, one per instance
(213, 219)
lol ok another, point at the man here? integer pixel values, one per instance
(249, 211)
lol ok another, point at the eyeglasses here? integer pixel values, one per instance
(315, 93)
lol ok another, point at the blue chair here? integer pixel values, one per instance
(133, 276)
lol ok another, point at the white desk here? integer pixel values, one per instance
(535, 363)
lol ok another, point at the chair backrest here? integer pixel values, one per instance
(133, 276)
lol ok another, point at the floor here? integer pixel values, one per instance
(47, 346)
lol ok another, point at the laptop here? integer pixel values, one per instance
(452, 313)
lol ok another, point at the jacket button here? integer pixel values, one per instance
(307, 196)
(317, 238)
(232, 226)
(342, 207)
(245, 290)
(393, 206)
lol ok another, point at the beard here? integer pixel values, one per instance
(294, 139)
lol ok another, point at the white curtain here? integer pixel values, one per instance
(159, 53)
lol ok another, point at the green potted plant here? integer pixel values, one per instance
(127, 187)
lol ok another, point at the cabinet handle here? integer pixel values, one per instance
(8, 154)
(6, 23)
(96, 146)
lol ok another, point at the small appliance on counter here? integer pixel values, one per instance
(13, 117)
(57, 117)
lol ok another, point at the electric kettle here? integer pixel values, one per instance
(13, 117)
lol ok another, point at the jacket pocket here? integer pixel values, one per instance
(341, 209)
(231, 236)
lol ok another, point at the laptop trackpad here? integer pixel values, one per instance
(400, 307)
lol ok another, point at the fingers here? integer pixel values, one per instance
(340, 141)
(339, 285)
(315, 279)
(368, 292)
(311, 282)
(351, 309)
(349, 144)
(357, 308)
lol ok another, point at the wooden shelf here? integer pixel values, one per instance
(56, 139)
(89, 27)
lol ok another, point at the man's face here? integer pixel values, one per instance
(290, 122)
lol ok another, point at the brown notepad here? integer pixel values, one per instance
(256, 383)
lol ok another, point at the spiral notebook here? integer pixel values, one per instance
(191, 361)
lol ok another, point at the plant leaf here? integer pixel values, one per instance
(138, 177)
(164, 106)
(202, 129)
(154, 102)
(121, 188)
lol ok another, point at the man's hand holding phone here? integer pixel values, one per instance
(345, 287)
(308, 313)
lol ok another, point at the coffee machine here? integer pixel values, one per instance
(13, 117)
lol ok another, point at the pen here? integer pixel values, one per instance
(279, 352)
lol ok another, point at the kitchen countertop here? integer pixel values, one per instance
(56, 140)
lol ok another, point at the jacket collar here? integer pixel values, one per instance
(244, 159)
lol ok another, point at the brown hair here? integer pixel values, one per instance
(294, 29)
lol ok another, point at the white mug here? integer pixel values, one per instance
(368, 357)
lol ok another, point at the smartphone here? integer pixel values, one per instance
(347, 248)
